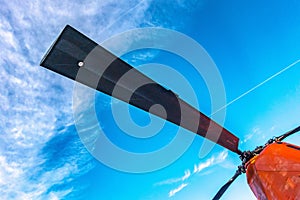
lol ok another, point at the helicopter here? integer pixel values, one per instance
(272, 170)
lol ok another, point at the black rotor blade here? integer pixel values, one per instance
(77, 57)
(226, 186)
(282, 137)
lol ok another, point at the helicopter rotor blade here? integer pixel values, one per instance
(77, 57)
(226, 186)
(282, 137)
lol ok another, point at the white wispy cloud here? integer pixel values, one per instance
(254, 132)
(178, 189)
(215, 159)
(211, 161)
(35, 104)
(260, 134)
(187, 174)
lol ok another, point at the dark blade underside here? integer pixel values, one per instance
(77, 57)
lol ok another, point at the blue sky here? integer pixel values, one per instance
(41, 155)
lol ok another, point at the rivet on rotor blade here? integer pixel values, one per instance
(80, 64)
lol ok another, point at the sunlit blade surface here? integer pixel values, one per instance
(75, 56)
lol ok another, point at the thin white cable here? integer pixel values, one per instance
(257, 86)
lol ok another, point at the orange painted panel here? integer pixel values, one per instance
(274, 174)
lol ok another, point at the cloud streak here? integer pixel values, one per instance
(210, 162)
(178, 189)
(215, 159)
(40, 153)
(187, 174)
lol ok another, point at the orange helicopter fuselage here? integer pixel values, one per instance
(274, 174)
